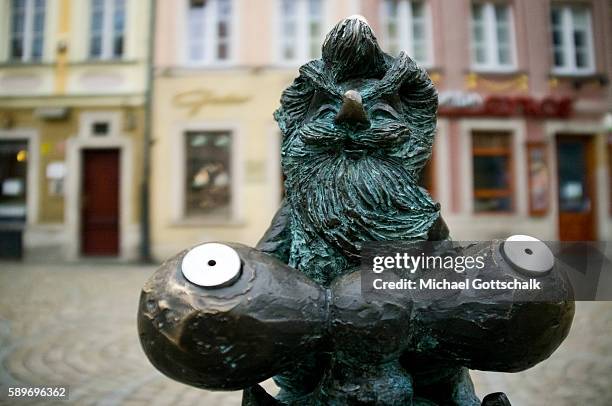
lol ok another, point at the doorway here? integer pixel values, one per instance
(100, 202)
(13, 196)
(576, 188)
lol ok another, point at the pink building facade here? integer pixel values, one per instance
(522, 146)
(524, 89)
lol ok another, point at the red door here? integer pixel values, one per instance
(576, 174)
(100, 202)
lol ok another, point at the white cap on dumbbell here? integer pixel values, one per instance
(528, 255)
(211, 265)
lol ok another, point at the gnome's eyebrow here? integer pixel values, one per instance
(320, 80)
(395, 77)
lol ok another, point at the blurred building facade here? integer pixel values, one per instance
(72, 85)
(521, 146)
(520, 149)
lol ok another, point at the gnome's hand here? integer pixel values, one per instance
(471, 327)
(226, 316)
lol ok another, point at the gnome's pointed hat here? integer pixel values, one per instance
(351, 51)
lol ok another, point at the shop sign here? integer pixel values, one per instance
(505, 106)
(195, 100)
(458, 99)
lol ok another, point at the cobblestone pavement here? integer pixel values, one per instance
(75, 325)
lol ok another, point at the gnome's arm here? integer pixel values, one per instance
(277, 239)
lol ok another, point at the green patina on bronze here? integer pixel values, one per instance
(358, 126)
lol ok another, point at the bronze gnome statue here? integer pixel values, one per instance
(358, 126)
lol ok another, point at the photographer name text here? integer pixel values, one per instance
(444, 284)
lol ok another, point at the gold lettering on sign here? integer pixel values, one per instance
(195, 100)
(520, 82)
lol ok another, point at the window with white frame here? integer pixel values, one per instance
(208, 181)
(405, 27)
(492, 36)
(209, 31)
(301, 30)
(27, 30)
(107, 29)
(572, 39)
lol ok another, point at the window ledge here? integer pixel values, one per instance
(25, 64)
(212, 65)
(586, 76)
(497, 72)
(206, 222)
(105, 62)
(495, 214)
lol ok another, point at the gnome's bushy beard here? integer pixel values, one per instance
(347, 197)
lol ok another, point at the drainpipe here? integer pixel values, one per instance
(145, 212)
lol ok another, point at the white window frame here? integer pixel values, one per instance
(569, 51)
(108, 31)
(302, 46)
(491, 41)
(28, 32)
(405, 30)
(211, 40)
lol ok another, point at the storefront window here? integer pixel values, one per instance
(13, 179)
(492, 165)
(209, 178)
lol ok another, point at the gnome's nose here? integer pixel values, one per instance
(352, 111)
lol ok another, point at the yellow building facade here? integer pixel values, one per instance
(222, 85)
(72, 91)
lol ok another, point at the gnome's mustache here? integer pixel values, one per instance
(387, 134)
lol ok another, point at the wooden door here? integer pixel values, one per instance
(100, 202)
(576, 188)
